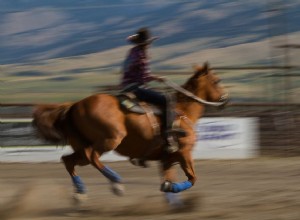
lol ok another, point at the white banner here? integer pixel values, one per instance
(226, 138)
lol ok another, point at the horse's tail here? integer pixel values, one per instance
(51, 122)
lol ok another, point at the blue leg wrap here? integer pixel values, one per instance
(179, 187)
(111, 175)
(79, 185)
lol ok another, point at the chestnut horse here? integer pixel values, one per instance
(98, 124)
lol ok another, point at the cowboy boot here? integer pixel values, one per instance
(170, 133)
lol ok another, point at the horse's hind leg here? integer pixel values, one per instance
(70, 161)
(115, 178)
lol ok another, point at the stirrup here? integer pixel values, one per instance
(172, 145)
(172, 149)
(178, 131)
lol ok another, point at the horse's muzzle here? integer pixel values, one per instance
(224, 100)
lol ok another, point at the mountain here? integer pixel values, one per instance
(37, 30)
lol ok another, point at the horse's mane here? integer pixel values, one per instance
(48, 121)
(190, 85)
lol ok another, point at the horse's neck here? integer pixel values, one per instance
(193, 110)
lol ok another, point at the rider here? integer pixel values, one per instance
(136, 74)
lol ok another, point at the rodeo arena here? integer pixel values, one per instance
(75, 145)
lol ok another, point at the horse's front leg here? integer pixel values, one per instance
(184, 157)
(169, 173)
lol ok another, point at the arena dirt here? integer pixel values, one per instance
(263, 188)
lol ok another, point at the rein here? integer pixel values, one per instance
(191, 95)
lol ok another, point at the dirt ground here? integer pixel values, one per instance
(263, 188)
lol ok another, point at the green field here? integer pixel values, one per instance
(242, 85)
(73, 78)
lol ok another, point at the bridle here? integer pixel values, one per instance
(222, 102)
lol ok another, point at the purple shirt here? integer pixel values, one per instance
(136, 67)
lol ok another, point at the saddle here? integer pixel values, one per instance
(129, 102)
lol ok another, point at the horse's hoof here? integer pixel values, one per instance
(173, 200)
(166, 186)
(79, 198)
(118, 189)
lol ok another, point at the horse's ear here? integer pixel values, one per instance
(206, 67)
(201, 70)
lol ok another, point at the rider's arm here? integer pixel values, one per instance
(139, 66)
(157, 78)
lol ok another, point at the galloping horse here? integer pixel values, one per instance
(98, 124)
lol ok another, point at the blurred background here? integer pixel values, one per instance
(58, 51)
(54, 51)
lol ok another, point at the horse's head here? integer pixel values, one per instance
(206, 85)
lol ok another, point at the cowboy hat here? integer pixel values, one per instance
(141, 37)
